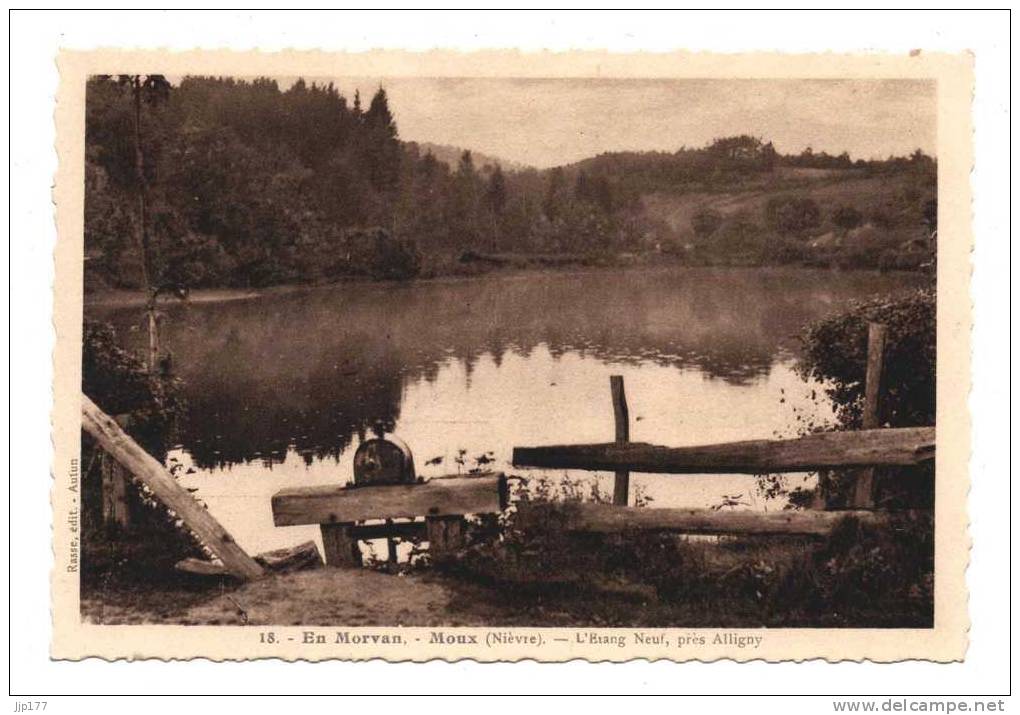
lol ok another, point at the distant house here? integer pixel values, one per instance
(826, 241)
(865, 233)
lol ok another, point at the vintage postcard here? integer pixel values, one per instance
(510, 356)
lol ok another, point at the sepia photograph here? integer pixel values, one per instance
(371, 359)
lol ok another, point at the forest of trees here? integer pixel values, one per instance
(223, 182)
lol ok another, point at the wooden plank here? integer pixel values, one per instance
(295, 558)
(606, 518)
(339, 546)
(201, 567)
(403, 529)
(621, 418)
(144, 467)
(445, 534)
(901, 446)
(481, 494)
(864, 488)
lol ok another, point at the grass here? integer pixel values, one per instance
(860, 576)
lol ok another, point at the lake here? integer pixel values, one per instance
(282, 387)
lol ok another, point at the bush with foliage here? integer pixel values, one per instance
(835, 351)
(705, 222)
(120, 383)
(847, 217)
(863, 572)
(792, 215)
(860, 575)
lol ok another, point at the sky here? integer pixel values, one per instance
(548, 122)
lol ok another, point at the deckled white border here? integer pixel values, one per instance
(945, 642)
(898, 34)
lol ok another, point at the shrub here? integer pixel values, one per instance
(120, 384)
(836, 351)
(705, 222)
(790, 215)
(380, 255)
(847, 217)
(891, 565)
(738, 240)
(779, 249)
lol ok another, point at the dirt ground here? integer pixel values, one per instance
(363, 597)
(355, 597)
(746, 584)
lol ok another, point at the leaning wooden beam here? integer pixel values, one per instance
(482, 494)
(606, 518)
(900, 446)
(144, 468)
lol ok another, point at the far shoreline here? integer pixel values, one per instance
(114, 298)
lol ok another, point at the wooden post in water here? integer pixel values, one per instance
(621, 416)
(864, 490)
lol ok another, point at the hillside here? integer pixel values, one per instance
(244, 185)
(847, 217)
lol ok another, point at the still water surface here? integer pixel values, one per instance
(282, 388)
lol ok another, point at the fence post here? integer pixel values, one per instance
(621, 416)
(114, 487)
(864, 491)
(339, 546)
(114, 483)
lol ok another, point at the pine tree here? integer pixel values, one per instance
(555, 195)
(495, 199)
(495, 192)
(378, 116)
(356, 109)
(465, 200)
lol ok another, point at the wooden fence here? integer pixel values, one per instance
(862, 449)
(443, 502)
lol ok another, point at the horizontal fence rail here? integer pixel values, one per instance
(609, 519)
(906, 446)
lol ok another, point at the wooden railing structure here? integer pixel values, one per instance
(341, 511)
(863, 449)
